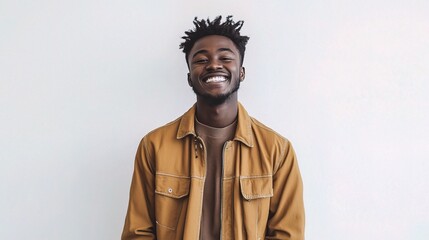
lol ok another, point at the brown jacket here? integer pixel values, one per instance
(261, 184)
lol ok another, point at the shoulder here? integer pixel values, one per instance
(266, 134)
(167, 131)
(274, 145)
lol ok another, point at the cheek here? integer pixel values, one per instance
(235, 69)
(195, 71)
(193, 76)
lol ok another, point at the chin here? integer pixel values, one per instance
(215, 100)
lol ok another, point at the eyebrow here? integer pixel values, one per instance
(219, 50)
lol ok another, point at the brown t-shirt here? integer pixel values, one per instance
(214, 140)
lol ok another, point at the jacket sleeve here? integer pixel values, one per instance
(140, 218)
(286, 219)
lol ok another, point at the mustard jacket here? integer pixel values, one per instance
(261, 185)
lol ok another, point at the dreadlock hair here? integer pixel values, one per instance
(203, 28)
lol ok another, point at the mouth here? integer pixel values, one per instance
(215, 79)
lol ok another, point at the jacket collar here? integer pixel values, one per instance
(243, 133)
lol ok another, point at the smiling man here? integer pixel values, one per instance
(215, 172)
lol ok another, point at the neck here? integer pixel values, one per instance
(218, 116)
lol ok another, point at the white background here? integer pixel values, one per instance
(82, 81)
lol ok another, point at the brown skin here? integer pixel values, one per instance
(215, 56)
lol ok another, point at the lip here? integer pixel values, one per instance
(210, 75)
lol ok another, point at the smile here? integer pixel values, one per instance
(216, 79)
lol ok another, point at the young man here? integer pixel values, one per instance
(215, 172)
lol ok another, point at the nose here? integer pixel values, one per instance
(214, 65)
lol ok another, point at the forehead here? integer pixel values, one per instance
(213, 42)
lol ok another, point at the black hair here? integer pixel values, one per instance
(203, 28)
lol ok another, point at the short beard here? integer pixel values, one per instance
(219, 99)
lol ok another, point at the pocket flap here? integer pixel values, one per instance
(172, 186)
(256, 187)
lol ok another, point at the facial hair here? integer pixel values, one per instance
(218, 99)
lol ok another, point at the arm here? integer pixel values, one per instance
(286, 220)
(140, 219)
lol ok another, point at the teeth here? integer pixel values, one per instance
(216, 79)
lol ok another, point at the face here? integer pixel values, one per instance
(215, 71)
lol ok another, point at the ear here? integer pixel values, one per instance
(189, 80)
(242, 74)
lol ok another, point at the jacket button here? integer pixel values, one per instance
(170, 190)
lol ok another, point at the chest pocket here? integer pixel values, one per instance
(171, 194)
(256, 192)
(255, 187)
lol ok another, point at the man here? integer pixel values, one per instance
(215, 172)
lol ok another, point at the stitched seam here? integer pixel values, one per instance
(171, 175)
(197, 177)
(249, 197)
(148, 155)
(177, 176)
(282, 157)
(171, 195)
(261, 125)
(186, 134)
(256, 176)
(201, 210)
(240, 139)
(256, 221)
(229, 178)
(162, 225)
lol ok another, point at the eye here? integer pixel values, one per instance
(227, 59)
(200, 61)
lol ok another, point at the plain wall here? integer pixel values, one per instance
(81, 82)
